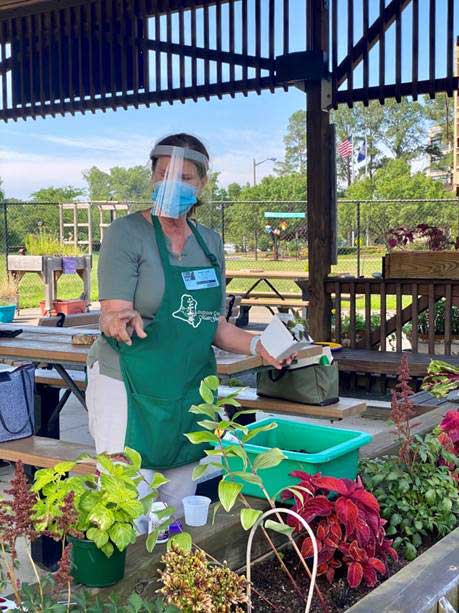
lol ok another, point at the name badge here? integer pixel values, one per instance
(200, 279)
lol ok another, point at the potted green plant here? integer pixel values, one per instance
(423, 252)
(106, 506)
(8, 292)
(439, 329)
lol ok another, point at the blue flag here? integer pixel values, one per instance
(362, 154)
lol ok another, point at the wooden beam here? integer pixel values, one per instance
(319, 208)
(363, 45)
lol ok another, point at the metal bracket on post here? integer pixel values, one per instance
(326, 94)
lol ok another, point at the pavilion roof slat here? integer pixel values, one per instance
(415, 49)
(245, 44)
(350, 49)
(366, 50)
(450, 46)
(93, 54)
(432, 14)
(398, 52)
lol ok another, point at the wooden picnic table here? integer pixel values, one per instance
(53, 346)
(301, 279)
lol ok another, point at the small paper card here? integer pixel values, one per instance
(279, 342)
(69, 265)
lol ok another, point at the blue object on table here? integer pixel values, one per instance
(7, 313)
(69, 265)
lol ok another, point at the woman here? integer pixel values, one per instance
(162, 296)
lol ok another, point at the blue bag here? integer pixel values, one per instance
(17, 418)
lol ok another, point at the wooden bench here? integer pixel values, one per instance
(248, 398)
(46, 452)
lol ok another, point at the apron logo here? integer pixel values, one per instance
(189, 313)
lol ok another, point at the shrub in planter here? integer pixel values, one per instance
(416, 490)
(349, 529)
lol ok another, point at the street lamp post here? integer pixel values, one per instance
(254, 167)
(255, 164)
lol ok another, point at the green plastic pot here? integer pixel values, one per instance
(91, 567)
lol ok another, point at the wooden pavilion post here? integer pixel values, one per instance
(320, 183)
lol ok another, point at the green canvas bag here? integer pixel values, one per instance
(315, 384)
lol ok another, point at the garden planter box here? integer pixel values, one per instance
(330, 451)
(68, 307)
(418, 587)
(421, 265)
(50, 268)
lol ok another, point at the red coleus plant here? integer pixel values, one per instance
(449, 439)
(348, 528)
(450, 430)
(435, 238)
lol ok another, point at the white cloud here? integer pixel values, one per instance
(24, 172)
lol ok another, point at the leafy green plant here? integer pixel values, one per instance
(420, 502)
(48, 244)
(439, 321)
(359, 324)
(416, 490)
(230, 486)
(107, 504)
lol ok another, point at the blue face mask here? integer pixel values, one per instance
(181, 197)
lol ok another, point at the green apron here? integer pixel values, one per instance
(163, 371)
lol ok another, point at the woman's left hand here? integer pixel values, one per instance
(269, 359)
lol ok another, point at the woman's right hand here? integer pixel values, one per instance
(120, 324)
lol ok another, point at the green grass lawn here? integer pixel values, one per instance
(31, 289)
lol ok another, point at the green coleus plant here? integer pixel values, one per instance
(107, 503)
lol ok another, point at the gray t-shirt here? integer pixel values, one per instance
(130, 269)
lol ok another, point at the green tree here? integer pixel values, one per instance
(404, 128)
(42, 211)
(295, 146)
(395, 181)
(119, 184)
(245, 221)
(440, 114)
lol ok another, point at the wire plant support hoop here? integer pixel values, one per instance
(308, 529)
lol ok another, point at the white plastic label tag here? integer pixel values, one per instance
(200, 279)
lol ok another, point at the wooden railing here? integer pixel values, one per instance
(352, 296)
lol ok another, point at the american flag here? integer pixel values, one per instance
(345, 148)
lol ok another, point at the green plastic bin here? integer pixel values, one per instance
(330, 451)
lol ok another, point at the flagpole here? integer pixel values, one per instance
(352, 158)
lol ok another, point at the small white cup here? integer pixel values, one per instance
(196, 510)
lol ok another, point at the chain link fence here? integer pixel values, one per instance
(257, 235)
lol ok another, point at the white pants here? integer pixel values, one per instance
(106, 400)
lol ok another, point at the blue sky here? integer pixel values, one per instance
(46, 152)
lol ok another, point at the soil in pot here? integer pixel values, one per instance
(91, 567)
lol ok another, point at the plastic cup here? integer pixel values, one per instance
(196, 510)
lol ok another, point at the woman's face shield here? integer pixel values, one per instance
(177, 181)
